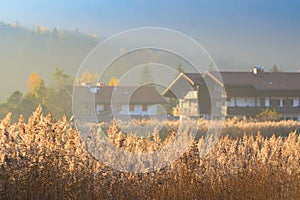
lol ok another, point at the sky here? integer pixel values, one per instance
(236, 33)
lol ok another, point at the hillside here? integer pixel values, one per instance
(41, 50)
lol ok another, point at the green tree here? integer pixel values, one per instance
(274, 68)
(14, 100)
(211, 67)
(59, 100)
(267, 115)
(88, 77)
(4, 110)
(64, 81)
(59, 103)
(180, 68)
(26, 107)
(62, 78)
(40, 90)
(146, 76)
(34, 81)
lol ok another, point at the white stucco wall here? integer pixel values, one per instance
(191, 95)
(138, 110)
(245, 101)
(230, 103)
(152, 110)
(99, 108)
(296, 102)
(267, 102)
(124, 110)
(241, 101)
(250, 101)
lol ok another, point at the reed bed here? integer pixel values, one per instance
(46, 159)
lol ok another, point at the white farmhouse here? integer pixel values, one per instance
(122, 102)
(246, 93)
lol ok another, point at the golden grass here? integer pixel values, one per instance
(44, 159)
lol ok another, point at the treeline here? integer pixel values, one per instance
(39, 49)
(56, 99)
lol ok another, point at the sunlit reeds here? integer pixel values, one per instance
(46, 159)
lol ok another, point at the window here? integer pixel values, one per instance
(144, 107)
(117, 108)
(131, 107)
(100, 108)
(291, 102)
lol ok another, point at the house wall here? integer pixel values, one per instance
(204, 100)
(296, 101)
(99, 108)
(152, 109)
(250, 101)
(138, 110)
(124, 110)
(191, 95)
(230, 103)
(267, 102)
(241, 101)
(189, 105)
(245, 101)
(278, 98)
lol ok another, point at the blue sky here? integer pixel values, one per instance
(237, 33)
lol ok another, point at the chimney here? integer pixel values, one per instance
(85, 84)
(258, 70)
(100, 84)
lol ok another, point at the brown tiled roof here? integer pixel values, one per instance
(121, 94)
(267, 81)
(275, 81)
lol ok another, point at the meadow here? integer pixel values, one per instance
(46, 159)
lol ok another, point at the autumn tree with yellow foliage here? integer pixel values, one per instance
(35, 84)
(88, 77)
(113, 81)
(57, 100)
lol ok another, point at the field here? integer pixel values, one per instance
(45, 159)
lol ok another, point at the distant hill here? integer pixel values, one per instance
(41, 50)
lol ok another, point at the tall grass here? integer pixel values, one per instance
(45, 159)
